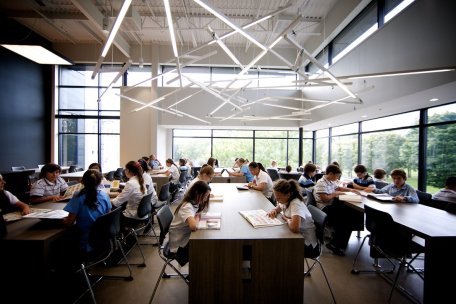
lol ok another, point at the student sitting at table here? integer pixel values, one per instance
(205, 174)
(244, 171)
(399, 189)
(326, 192)
(148, 182)
(299, 220)
(212, 162)
(86, 206)
(262, 181)
(50, 186)
(379, 175)
(132, 193)
(447, 194)
(306, 180)
(97, 166)
(9, 202)
(362, 180)
(186, 218)
(154, 163)
(173, 171)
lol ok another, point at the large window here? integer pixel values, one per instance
(227, 145)
(88, 117)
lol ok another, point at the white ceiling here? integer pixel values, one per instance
(78, 25)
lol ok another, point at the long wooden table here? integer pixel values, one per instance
(241, 264)
(27, 256)
(438, 229)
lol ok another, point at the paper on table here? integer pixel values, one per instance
(210, 220)
(216, 198)
(351, 197)
(49, 214)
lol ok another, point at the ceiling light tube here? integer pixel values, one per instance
(151, 106)
(121, 72)
(37, 53)
(171, 27)
(224, 47)
(321, 67)
(115, 27)
(161, 98)
(223, 18)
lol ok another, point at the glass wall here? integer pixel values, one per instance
(227, 145)
(88, 117)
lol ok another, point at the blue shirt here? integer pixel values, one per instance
(306, 181)
(364, 182)
(85, 216)
(249, 176)
(407, 191)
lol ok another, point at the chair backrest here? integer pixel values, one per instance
(385, 233)
(310, 198)
(110, 176)
(118, 174)
(164, 192)
(273, 173)
(380, 184)
(72, 168)
(105, 228)
(18, 168)
(319, 217)
(78, 169)
(425, 198)
(195, 171)
(183, 177)
(451, 207)
(145, 206)
(287, 176)
(164, 218)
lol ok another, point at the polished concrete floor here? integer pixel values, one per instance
(348, 288)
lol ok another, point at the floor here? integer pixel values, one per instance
(347, 287)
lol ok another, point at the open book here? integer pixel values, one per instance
(210, 220)
(384, 197)
(17, 215)
(259, 218)
(351, 197)
(70, 191)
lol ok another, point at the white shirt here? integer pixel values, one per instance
(179, 231)
(324, 186)
(446, 195)
(174, 174)
(307, 226)
(264, 178)
(149, 184)
(43, 187)
(132, 195)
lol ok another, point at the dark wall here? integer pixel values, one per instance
(25, 102)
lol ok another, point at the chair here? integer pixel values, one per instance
(164, 218)
(424, 197)
(380, 184)
(110, 176)
(273, 173)
(164, 196)
(183, 181)
(320, 219)
(19, 168)
(195, 171)
(392, 242)
(72, 168)
(119, 174)
(104, 240)
(290, 175)
(451, 208)
(310, 198)
(144, 211)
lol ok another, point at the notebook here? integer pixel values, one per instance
(210, 220)
(244, 187)
(383, 197)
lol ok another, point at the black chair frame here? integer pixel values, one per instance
(164, 218)
(104, 238)
(320, 219)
